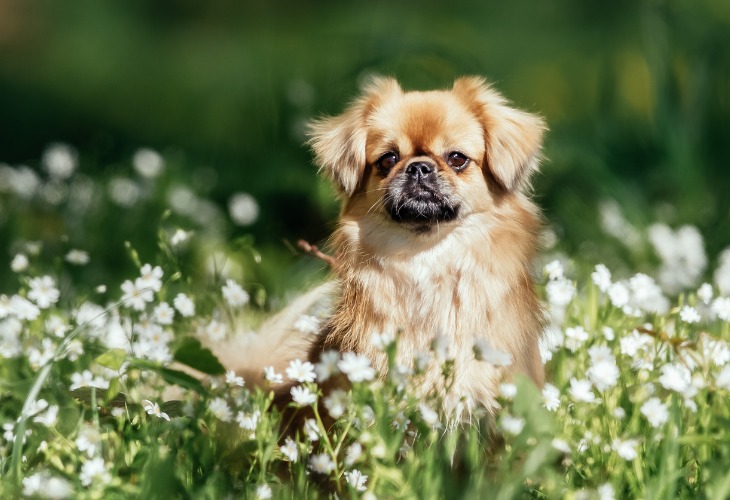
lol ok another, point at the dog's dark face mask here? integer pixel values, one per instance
(418, 194)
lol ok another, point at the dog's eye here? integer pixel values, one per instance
(457, 161)
(387, 161)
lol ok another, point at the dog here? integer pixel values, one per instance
(436, 237)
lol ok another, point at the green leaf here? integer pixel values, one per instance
(171, 376)
(111, 396)
(112, 391)
(194, 355)
(112, 359)
(172, 408)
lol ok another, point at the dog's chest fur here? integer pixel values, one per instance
(451, 286)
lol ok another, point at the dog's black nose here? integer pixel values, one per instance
(420, 169)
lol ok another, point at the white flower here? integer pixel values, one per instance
(619, 413)
(430, 417)
(308, 325)
(626, 448)
(154, 409)
(243, 209)
(721, 308)
(271, 376)
(163, 314)
(219, 407)
(682, 253)
(23, 181)
(10, 330)
(689, 314)
(483, 351)
(561, 445)
(19, 263)
(233, 379)
(263, 492)
(400, 421)
(311, 429)
(336, 403)
(356, 367)
(511, 425)
(574, 337)
(302, 395)
(40, 356)
(618, 293)
(381, 341)
(48, 418)
(248, 421)
(580, 391)
(606, 492)
(179, 237)
(301, 371)
(56, 326)
(215, 330)
(635, 341)
(148, 163)
(43, 485)
(60, 160)
(550, 341)
(135, 296)
(22, 308)
(87, 379)
(507, 390)
(601, 277)
(715, 350)
(43, 291)
(646, 295)
(235, 295)
(327, 365)
(356, 479)
(599, 353)
(603, 373)
(722, 379)
(608, 333)
(152, 333)
(184, 305)
(150, 277)
(655, 412)
(289, 450)
(551, 397)
(94, 471)
(554, 270)
(560, 292)
(321, 463)
(88, 440)
(77, 257)
(705, 293)
(353, 453)
(677, 378)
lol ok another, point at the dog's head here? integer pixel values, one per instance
(421, 159)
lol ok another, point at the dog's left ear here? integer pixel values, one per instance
(339, 141)
(512, 138)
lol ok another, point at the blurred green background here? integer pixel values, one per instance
(636, 94)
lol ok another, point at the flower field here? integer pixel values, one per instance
(638, 363)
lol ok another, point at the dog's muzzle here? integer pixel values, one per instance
(418, 195)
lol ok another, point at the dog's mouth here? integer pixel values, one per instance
(421, 207)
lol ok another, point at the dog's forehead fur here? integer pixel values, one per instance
(435, 122)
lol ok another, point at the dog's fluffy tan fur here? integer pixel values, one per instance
(461, 269)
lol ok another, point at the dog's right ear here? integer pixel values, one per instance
(339, 141)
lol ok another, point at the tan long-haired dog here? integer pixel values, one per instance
(436, 236)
